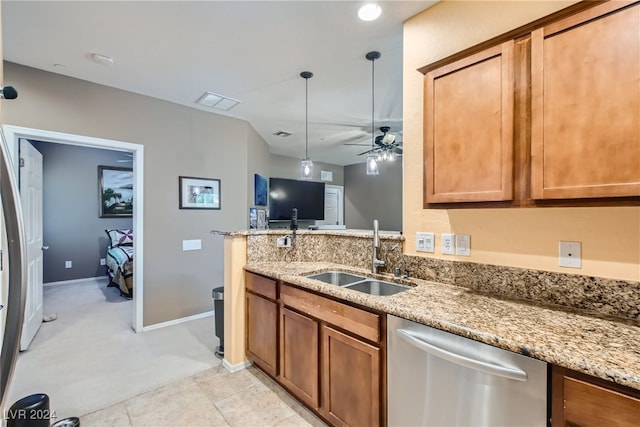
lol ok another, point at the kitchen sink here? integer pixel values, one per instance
(377, 287)
(339, 278)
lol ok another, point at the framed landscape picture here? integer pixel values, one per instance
(199, 193)
(115, 190)
(259, 190)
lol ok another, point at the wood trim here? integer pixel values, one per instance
(537, 119)
(522, 120)
(513, 34)
(355, 320)
(584, 17)
(557, 397)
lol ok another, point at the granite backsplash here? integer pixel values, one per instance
(620, 298)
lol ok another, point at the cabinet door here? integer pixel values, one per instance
(585, 87)
(262, 332)
(299, 356)
(577, 402)
(351, 387)
(468, 128)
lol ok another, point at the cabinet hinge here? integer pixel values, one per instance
(21, 162)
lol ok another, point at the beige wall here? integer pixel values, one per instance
(178, 141)
(526, 237)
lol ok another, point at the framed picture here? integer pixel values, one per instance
(259, 190)
(199, 193)
(253, 219)
(262, 219)
(115, 190)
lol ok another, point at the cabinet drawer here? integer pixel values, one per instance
(261, 285)
(360, 322)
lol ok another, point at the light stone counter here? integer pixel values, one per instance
(607, 348)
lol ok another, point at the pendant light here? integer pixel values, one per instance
(372, 158)
(306, 166)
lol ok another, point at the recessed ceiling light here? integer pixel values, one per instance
(369, 12)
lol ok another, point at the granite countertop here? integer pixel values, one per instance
(391, 235)
(607, 348)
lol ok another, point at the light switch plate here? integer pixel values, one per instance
(570, 254)
(463, 244)
(191, 245)
(68, 264)
(425, 242)
(448, 244)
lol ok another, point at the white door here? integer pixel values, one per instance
(31, 198)
(333, 205)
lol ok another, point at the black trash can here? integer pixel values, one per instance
(67, 422)
(30, 411)
(218, 310)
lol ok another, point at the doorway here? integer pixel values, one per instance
(15, 133)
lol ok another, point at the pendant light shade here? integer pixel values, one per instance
(372, 158)
(306, 166)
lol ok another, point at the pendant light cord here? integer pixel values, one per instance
(306, 118)
(373, 101)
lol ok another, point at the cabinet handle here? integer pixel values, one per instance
(458, 359)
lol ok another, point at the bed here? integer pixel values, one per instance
(119, 260)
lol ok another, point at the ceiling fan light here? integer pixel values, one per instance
(369, 12)
(306, 169)
(372, 164)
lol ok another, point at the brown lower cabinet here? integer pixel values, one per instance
(328, 354)
(351, 380)
(579, 400)
(262, 322)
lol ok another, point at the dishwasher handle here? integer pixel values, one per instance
(479, 365)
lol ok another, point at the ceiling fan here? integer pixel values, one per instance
(384, 144)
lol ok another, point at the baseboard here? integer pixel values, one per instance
(237, 367)
(177, 321)
(70, 282)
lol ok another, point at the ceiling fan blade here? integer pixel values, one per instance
(357, 144)
(366, 152)
(397, 150)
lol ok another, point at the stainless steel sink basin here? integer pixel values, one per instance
(339, 278)
(377, 287)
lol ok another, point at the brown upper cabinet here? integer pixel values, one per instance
(468, 132)
(546, 114)
(585, 87)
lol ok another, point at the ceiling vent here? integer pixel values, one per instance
(220, 102)
(283, 133)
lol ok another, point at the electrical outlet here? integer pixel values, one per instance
(103, 261)
(283, 242)
(448, 244)
(425, 242)
(463, 244)
(570, 254)
(68, 264)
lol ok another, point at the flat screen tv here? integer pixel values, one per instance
(286, 194)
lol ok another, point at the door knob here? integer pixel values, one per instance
(44, 248)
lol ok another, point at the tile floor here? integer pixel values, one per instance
(214, 397)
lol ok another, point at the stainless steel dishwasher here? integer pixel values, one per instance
(436, 378)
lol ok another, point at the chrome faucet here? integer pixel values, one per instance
(375, 262)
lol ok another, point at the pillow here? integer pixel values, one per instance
(120, 237)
